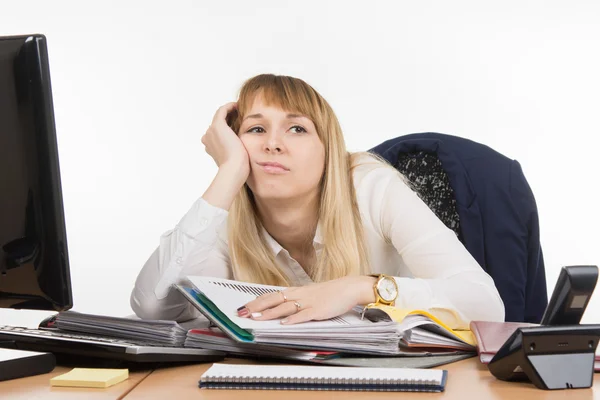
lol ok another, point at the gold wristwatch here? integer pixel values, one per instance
(385, 289)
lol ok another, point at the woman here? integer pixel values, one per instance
(290, 206)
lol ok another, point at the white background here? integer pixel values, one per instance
(136, 84)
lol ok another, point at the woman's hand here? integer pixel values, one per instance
(223, 144)
(319, 301)
(228, 151)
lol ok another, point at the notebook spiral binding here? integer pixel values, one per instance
(317, 383)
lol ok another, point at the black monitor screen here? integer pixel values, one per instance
(34, 265)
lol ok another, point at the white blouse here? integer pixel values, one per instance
(404, 239)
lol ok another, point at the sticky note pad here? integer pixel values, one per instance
(90, 377)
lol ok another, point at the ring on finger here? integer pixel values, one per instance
(298, 306)
(283, 294)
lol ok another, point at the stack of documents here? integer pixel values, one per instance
(421, 329)
(377, 333)
(350, 335)
(156, 332)
(218, 299)
(215, 339)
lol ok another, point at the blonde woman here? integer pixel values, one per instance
(290, 206)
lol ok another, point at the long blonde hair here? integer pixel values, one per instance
(344, 252)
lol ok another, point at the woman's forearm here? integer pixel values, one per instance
(225, 186)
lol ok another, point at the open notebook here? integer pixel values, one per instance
(218, 299)
(422, 329)
(288, 377)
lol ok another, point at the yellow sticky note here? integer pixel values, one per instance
(90, 377)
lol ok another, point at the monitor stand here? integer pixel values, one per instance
(21, 363)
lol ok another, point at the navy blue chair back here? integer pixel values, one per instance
(485, 199)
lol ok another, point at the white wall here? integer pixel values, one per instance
(136, 84)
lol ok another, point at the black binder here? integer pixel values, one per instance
(20, 363)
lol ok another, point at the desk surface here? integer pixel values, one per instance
(466, 379)
(38, 387)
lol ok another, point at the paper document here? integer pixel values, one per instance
(218, 299)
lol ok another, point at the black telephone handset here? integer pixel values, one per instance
(571, 295)
(559, 354)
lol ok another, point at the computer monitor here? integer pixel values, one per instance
(34, 263)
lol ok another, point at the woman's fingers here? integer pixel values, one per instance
(304, 315)
(265, 302)
(224, 145)
(222, 112)
(280, 311)
(309, 303)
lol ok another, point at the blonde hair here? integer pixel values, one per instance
(344, 251)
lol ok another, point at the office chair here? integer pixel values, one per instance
(485, 199)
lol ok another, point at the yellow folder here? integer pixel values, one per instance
(90, 377)
(398, 315)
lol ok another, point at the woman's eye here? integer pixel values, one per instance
(299, 129)
(294, 129)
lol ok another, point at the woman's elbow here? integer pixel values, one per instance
(142, 307)
(174, 307)
(491, 306)
(496, 312)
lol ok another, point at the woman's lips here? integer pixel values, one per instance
(273, 168)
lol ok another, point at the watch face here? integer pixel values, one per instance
(387, 289)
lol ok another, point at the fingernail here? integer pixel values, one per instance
(241, 308)
(243, 312)
(283, 321)
(256, 315)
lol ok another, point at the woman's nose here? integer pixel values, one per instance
(273, 144)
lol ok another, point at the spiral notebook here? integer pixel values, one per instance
(292, 377)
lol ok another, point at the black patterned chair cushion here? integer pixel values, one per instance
(429, 180)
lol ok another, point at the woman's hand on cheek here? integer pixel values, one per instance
(318, 301)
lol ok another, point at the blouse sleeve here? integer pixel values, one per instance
(196, 246)
(447, 281)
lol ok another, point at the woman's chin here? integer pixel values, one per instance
(272, 195)
(276, 190)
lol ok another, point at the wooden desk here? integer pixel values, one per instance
(467, 379)
(38, 387)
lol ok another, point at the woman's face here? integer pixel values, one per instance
(287, 158)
